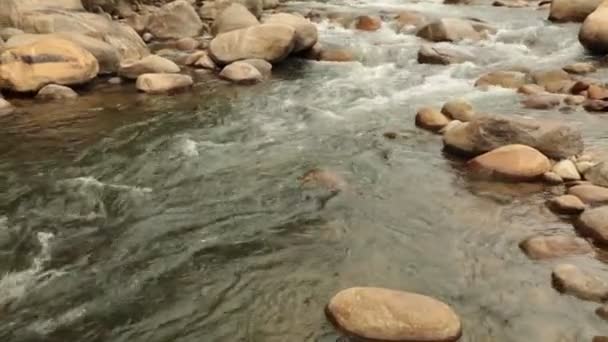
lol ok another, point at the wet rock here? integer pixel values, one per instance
(336, 55)
(548, 78)
(600, 339)
(407, 20)
(162, 83)
(326, 179)
(368, 23)
(5, 107)
(306, 32)
(590, 194)
(56, 92)
(390, 135)
(510, 3)
(431, 119)
(596, 105)
(235, 17)
(602, 312)
(187, 44)
(595, 92)
(569, 279)
(485, 133)
(263, 67)
(567, 204)
(580, 68)
(572, 10)
(31, 67)
(505, 79)
(557, 246)
(242, 73)
(574, 100)
(138, 22)
(457, 2)
(147, 37)
(517, 162)
(193, 57)
(566, 169)
(205, 62)
(450, 125)
(115, 80)
(584, 166)
(560, 87)
(269, 4)
(598, 174)
(580, 87)
(442, 54)
(449, 30)
(594, 223)
(531, 89)
(175, 20)
(458, 109)
(383, 314)
(593, 34)
(8, 32)
(541, 101)
(552, 178)
(270, 42)
(148, 65)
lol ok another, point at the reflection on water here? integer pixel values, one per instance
(180, 218)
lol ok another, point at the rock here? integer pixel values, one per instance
(263, 67)
(596, 105)
(205, 62)
(6, 107)
(8, 32)
(572, 10)
(235, 17)
(336, 55)
(383, 314)
(581, 86)
(571, 280)
(550, 78)
(549, 247)
(409, 20)
(175, 20)
(517, 162)
(505, 79)
(449, 30)
(584, 166)
(162, 83)
(485, 133)
(270, 42)
(187, 44)
(560, 87)
(148, 65)
(242, 73)
(593, 34)
(115, 80)
(56, 92)
(510, 3)
(368, 23)
(107, 55)
(269, 4)
(579, 68)
(193, 57)
(595, 92)
(326, 179)
(431, 119)
(566, 170)
(138, 22)
(458, 109)
(306, 32)
(574, 100)
(450, 125)
(602, 312)
(600, 339)
(598, 174)
(531, 89)
(541, 101)
(567, 204)
(594, 223)
(552, 178)
(147, 37)
(590, 194)
(442, 54)
(31, 67)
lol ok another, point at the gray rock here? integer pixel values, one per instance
(442, 54)
(56, 92)
(175, 20)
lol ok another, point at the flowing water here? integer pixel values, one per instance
(126, 217)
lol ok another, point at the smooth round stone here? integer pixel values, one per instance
(571, 280)
(390, 315)
(552, 178)
(594, 223)
(567, 204)
(590, 194)
(548, 247)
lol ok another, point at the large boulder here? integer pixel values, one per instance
(389, 315)
(593, 34)
(235, 17)
(548, 247)
(485, 133)
(162, 83)
(306, 32)
(271, 42)
(41, 16)
(151, 64)
(572, 10)
(598, 174)
(590, 194)
(31, 67)
(175, 20)
(594, 223)
(519, 162)
(242, 73)
(449, 30)
(107, 55)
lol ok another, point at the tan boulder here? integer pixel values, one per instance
(151, 64)
(450, 30)
(431, 119)
(504, 79)
(31, 67)
(175, 20)
(571, 280)
(552, 178)
(368, 23)
(566, 169)
(551, 79)
(439, 53)
(336, 55)
(567, 204)
(593, 34)
(595, 92)
(271, 42)
(542, 101)
(9, 32)
(242, 73)
(407, 20)
(234, 17)
(531, 89)
(580, 68)
(205, 62)
(263, 67)
(162, 83)
(512, 162)
(458, 109)
(56, 92)
(574, 100)
(187, 44)
(389, 315)
(557, 246)
(572, 10)
(306, 32)
(597, 173)
(590, 194)
(594, 223)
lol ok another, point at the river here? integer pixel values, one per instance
(126, 217)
